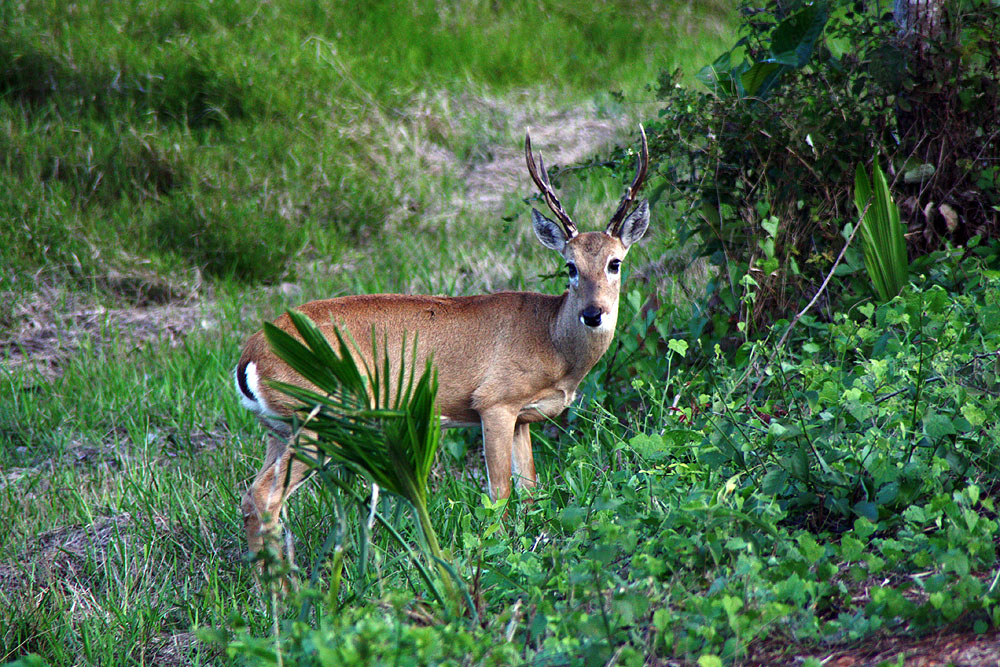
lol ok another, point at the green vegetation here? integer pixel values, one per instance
(810, 92)
(387, 434)
(881, 234)
(738, 483)
(231, 137)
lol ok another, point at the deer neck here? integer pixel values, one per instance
(581, 346)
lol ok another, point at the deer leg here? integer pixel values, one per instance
(278, 478)
(498, 443)
(521, 460)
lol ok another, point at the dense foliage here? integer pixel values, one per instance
(820, 480)
(810, 92)
(819, 494)
(733, 486)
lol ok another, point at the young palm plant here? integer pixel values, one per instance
(881, 234)
(356, 417)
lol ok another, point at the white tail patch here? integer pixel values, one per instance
(254, 402)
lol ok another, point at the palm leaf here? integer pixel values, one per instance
(387, 432)
(882, 237)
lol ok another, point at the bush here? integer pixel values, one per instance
(761, 167)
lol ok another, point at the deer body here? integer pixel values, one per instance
(469, 338)
(503, 360)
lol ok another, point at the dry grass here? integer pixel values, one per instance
(52, 324)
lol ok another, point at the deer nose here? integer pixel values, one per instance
(591, 316)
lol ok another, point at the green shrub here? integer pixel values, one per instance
(762, 167)
(894, 416)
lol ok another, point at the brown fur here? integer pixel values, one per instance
(503, 360)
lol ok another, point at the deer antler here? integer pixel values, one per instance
(633, 190)
(546, 188)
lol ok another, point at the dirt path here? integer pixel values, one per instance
(945, 648)
(564, 138)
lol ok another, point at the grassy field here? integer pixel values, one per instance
(174, 173)
(229, 138)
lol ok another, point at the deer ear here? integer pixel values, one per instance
(634, 226)
(548, 232)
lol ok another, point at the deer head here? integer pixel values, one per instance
(593, 259)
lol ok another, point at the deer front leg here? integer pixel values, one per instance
(498, 443)
(521, 459)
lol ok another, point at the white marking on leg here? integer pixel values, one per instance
(489, 481)
(514, 468)
(371, 512)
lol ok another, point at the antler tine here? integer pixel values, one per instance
(633, 190)
(542, 182)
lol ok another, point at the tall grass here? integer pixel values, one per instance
(232, 136)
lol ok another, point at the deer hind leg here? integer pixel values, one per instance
(521, 460)
(278, 478)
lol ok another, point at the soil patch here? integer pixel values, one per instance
(53, 324)
(65, 557)
(946, 648)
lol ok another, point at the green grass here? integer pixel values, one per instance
(152, 154)
(179, 172)
(235, 136)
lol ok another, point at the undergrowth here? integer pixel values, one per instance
(760, 161)
(725, 508)
(720, 493)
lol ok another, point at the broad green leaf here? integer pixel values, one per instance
(866, 509)
(770, 225)
(851, 548)
(863, 527)
(937, 425)
(793, 40)
(722, 77)
(760, 78)
(678, 345)
(774, 481)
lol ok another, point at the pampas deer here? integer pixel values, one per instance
(503, 360)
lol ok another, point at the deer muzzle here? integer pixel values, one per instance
(591, 316)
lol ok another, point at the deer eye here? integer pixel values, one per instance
(614, 266)
(571, 267)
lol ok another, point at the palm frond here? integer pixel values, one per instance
(882, 237)
(386, 431)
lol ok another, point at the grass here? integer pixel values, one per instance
(213, 164)
(179, 172)
(232, 136)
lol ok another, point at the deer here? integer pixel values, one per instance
(503, 360)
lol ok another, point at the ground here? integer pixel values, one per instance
(55, 324)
